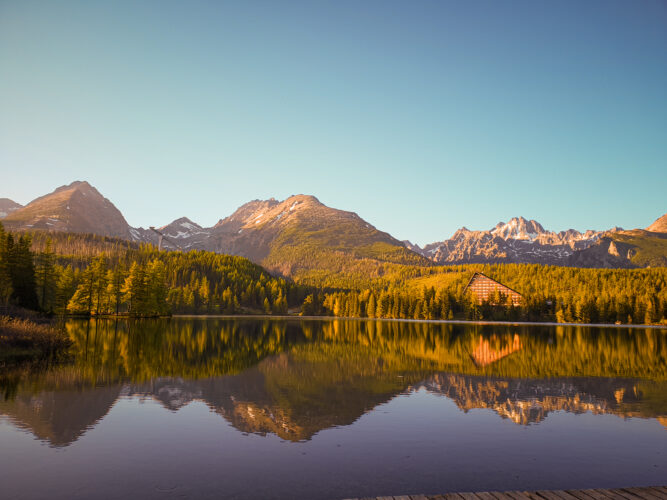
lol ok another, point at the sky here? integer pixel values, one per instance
(421, 116)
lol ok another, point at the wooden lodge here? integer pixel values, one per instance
(484, 288)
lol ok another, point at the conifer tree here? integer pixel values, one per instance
(115, 281)
(134, 289)
(64, 289)
(6, 288)
(156, 289)
(99, 271)
(46, 277)
(22, 271)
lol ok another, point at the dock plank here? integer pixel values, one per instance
(625, 494)
(596, 494)
(579, 494)
(468, 496)
(563, 495)
(642, 493)
(661, 492)
(549, 495)
(631, 493)
(485, 495)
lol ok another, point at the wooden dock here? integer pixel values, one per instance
(652, 493)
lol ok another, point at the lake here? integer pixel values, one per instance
(329, 409)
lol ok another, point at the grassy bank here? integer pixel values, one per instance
(24, 339)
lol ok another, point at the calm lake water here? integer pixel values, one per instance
(256, 408)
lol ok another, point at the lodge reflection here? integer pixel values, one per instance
(294, 378)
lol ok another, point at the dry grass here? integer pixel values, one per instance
(26, 335)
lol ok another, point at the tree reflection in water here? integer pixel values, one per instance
(293, 378)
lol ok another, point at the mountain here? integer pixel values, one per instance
(183, 234)
(295, 237)
(77, 208)
(7, 206)
(519, 240)
(302, 238)
(301, 234)
(298, 237)
(659, 226)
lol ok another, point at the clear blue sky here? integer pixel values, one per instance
(420, 116)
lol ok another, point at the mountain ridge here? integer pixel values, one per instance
(519, 240)
(300, 236)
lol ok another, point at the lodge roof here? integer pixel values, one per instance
(477, 274)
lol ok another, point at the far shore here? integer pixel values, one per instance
(438, 321)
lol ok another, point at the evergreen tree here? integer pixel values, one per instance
(156, 289)
(134, 290)
(6, 288)
(115, 281)
(46, 278)
(22, 271)
(65, 289)
(99, 272)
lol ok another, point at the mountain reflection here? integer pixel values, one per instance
(296, 378)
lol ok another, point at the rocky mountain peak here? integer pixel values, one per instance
(518, 228)
(462, 233)
(183, 222)
(83, 185)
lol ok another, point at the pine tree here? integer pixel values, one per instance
(22, 271)
(6, 288)
(156, 289)
(134, 290)
(370, 309)
(82, 300)
(46, 278)
(100, 298)
(64, 289)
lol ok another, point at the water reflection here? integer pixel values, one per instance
(295, 378)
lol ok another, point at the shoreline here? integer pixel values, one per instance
(403, 320)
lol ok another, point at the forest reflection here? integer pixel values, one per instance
(293, 378)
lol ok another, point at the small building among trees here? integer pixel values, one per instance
(489, 290)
